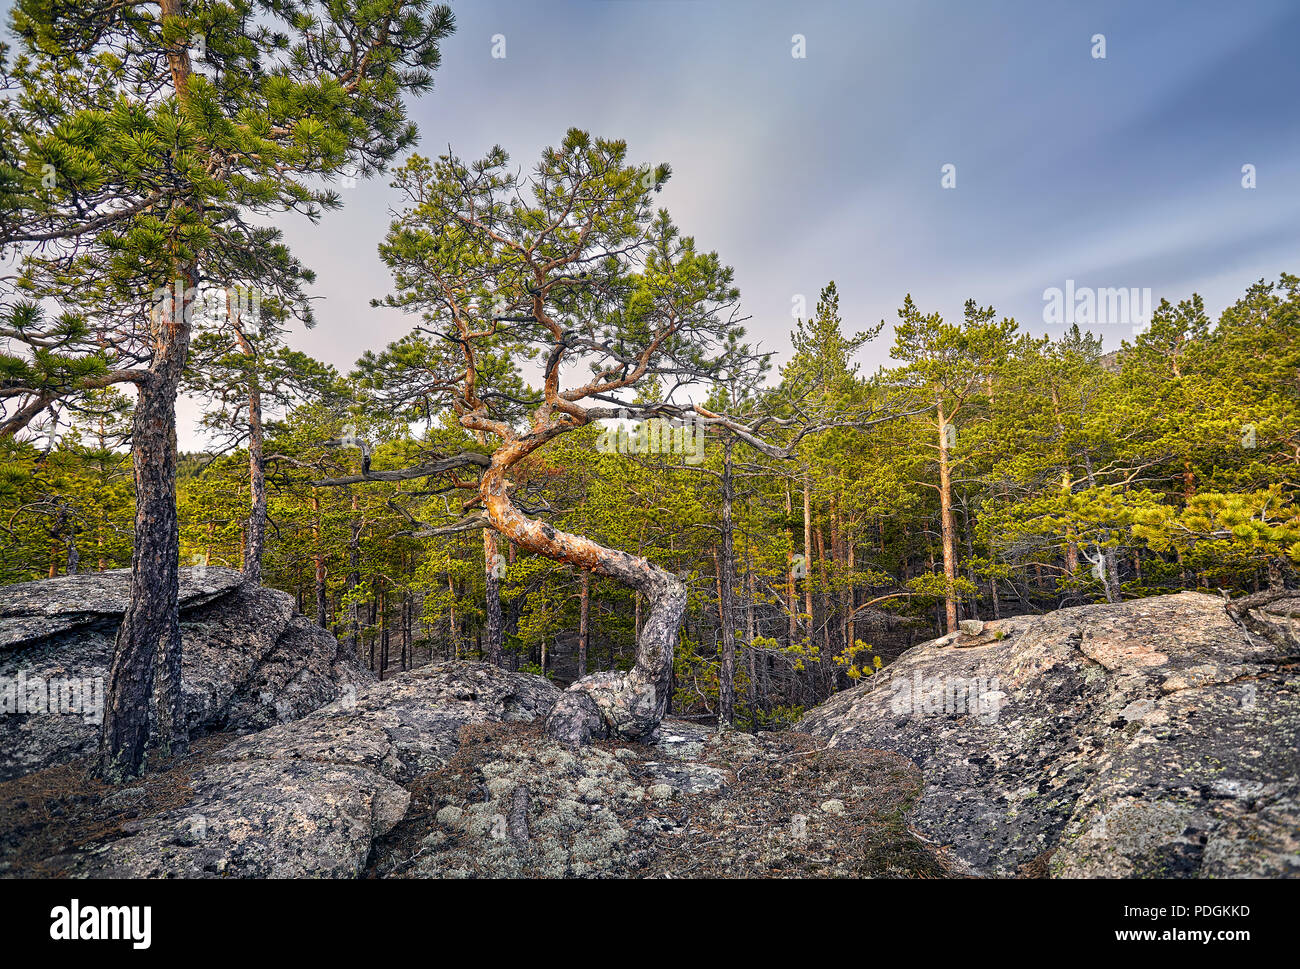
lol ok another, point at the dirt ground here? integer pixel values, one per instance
(47, 814)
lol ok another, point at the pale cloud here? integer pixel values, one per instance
(1116, 172)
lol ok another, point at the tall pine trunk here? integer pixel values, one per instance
(792, 594)
(453, 630)
(147, 652)
(256, 530)
(318, 562)
(354, 580)
(750, 634)
(947, 527)
(584, 623)
(807, 555)
(726, 584)
(851, 594)
(492, 635)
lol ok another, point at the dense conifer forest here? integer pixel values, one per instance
(1060, 475)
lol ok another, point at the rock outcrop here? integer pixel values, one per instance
(1152, 738)
(250, 661)
(407, 726)
(694, 802)
(446, 772)
(309, 797)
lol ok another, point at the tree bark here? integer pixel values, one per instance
(492, 635)
(726, 606)
(825, 596)
(383, 630)
(628, 705)
(584, 618)
(807, 555)
(1106, 568)
(792, 605)
(405, 631)
(354, 580)
(1250, 612)
(452, 627)
(318, 561)
(851, 596)
(947, 527)
(147, 652)
(1113, 592)
(255, 531)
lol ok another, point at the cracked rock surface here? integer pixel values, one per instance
(256, 819)
(249, 659)
(1152, 738)
(309, 797)
(405, 726)
(447, 772)
(694, 803)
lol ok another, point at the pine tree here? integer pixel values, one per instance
(573, 265)
(142, 182)
(949, 365)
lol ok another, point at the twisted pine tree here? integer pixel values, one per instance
(573, 271)
(571, 267)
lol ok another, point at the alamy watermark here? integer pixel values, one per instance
(929, 696)
(75, 922)
(1087, 306)
(655, 435)
(240, 302)
(58, 696)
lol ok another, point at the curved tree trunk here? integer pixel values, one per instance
(1250, 612)
(627, 705)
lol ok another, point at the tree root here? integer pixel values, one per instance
(605, 706)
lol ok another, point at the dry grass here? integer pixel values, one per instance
(45, 815)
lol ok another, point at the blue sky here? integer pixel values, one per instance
(1115, 172)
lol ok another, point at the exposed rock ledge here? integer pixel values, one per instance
(249, 661)
(1150, 738)
(445, 772)
(308, 798)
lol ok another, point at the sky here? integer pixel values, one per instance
(1117, 171)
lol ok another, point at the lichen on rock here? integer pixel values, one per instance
(1152, 738)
